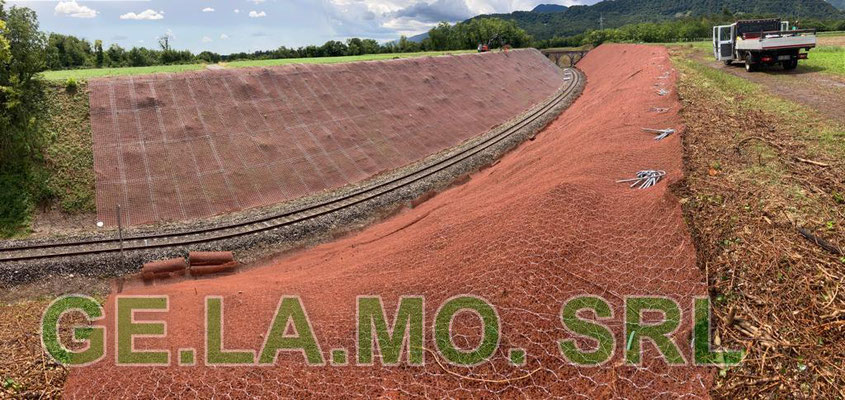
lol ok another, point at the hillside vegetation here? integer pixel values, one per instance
(579, 19)
(840, 4)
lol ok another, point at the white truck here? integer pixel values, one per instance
(762, 42)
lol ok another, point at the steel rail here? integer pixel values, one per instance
(270, 222)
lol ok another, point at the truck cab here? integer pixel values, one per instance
(762, 42)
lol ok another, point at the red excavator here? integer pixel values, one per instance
(483, 48)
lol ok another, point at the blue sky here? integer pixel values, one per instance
(249, 25)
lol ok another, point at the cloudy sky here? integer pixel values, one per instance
(248, 25)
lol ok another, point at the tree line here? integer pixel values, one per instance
(70, 52)
(687, 29)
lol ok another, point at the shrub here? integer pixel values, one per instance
(71, 85)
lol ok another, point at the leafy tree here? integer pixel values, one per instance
(333, 48)
(5, 55)
(469, 34)
(26, 43)
(407, 46)
(355, 47)
(370, 46)
(22, 57)
(98, 51)
(441, 38)
(168, 57)
(117, 56)
(64, 51)
(142, 57)
(209, 57)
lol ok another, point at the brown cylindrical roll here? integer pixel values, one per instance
(210, 257)
(164, 266)
(214, 269)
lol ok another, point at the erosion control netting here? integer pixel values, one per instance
(176, 147)
(545, 224)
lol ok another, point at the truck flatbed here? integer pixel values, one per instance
(778, 40)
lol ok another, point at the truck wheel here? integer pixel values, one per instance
(790, 65)
(728, 62)
(749, 63)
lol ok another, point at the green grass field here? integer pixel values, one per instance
(82, 74)
(336, 60)
(831, 33)
(829, 59)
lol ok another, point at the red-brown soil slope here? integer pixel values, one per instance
(192, 145)
(544, 225)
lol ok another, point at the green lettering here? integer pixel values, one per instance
(127, 330)
(598, 332)
(443, 336)
(94, 336)
(704, 356)
(391, 342)
(290, 312)
(214, 352)
(658, 333)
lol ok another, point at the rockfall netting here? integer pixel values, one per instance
(544, 225)
(182, 146)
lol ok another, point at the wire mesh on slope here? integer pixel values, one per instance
(544, 225)
(190, 145)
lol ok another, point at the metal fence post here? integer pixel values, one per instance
(120, 236)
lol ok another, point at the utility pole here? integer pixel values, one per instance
(601, 21)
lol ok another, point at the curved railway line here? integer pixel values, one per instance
(54, 250)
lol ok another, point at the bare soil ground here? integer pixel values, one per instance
(545, 224)
(51, 221)
(759, 170)
(823, 92)
(838, 40)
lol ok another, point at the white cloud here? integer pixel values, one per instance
(73, 9)
(237, 11)
(144, 15)
(259, 14)
(207, 9)
(224, 36)
(206, 39)
(256, 1)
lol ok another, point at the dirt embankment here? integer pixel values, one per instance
(199, 144)
(545, 224)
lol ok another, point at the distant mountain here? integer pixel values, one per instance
(840, 4)
(615, 13)
(550, 8)
(419, 38)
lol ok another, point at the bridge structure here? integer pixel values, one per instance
(565, 58)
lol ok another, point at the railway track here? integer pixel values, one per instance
(45, 251)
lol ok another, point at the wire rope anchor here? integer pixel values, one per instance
(645, 179)
(661, 133)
